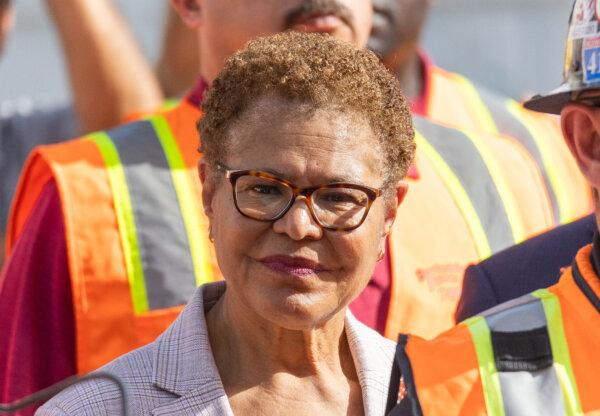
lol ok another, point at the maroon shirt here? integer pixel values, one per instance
(37, 333)
(37, 330)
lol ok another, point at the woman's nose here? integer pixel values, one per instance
(298, 223)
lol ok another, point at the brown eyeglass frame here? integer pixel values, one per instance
(234, 175)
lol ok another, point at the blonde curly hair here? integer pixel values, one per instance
(317, 70)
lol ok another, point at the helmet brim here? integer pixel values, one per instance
(554, 101)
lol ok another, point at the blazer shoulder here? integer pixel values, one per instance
(102, 393)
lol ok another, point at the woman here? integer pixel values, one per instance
(305, 141)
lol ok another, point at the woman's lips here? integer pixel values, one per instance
(295, 266)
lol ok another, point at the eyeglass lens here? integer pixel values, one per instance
(265, 199)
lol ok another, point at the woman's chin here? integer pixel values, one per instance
(296, 311)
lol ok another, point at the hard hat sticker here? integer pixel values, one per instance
(583, 20)
(591, 60)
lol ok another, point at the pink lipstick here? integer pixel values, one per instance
(295, 266)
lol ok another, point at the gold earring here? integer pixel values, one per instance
(210, 236)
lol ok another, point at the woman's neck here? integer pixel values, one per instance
(252, 353)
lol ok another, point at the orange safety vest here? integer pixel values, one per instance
(535, 355)
(136, 237)
(454, 100)
(455, 214)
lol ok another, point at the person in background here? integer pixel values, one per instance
(109, 81)
(395, 38)
(178, 64)
(299, 205)
(7, 18)
(538, 353)
(453, 100)
(112, 73)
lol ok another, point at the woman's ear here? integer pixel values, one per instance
(207, 179)
(391, 209)
(581, 126)
(393, 204)
(190, 11)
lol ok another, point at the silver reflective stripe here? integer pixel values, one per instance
(162, 239)
(532, 393)
(522, 314)
(461, 155)
(506, 123)
(525, 392)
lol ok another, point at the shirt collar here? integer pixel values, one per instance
(196, 95)
(595, 256)
(585, 272)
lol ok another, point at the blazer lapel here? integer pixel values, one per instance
(373, 356)
(184, 364)
(207, 400)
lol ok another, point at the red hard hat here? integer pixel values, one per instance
(582, 59)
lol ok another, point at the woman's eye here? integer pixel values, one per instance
(339, 197)
(265, 190)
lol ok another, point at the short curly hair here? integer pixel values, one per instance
(317, 70)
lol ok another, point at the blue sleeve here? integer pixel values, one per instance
(477, 294)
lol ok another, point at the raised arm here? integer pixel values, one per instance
(179, 63)
(110, 78)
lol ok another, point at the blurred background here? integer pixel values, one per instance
(519, 44)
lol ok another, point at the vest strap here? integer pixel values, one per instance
(560, 351)
(583, 285)
(126, 220)
(490, 380)
(478, 187)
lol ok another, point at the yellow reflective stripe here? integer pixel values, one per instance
(560, 351)
(502, 186)
(459, 195)
(125, 219)
(560, 190)
(188, 202)
(483, 114)
(170, 103)
(490, 380)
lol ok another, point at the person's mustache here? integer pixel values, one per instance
(309, 8)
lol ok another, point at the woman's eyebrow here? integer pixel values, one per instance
(338, 178)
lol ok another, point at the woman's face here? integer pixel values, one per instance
(291, 271)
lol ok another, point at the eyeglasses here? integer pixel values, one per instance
(264, 197)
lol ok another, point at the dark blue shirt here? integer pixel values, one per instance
(524, 268)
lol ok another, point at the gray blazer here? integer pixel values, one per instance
(177, 375)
